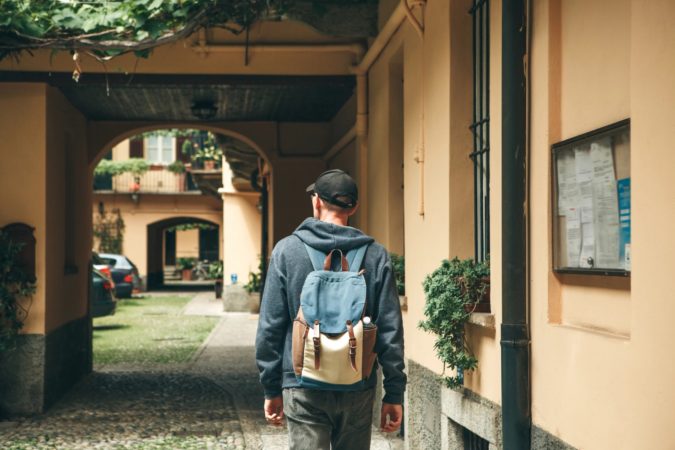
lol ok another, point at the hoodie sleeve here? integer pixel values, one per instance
(272, 326)
(389, 345)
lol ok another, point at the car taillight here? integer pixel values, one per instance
(107, 285)
(106, 271)
(128, 279)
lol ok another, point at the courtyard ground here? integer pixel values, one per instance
(211, 400)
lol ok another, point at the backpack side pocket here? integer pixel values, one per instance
(369, 355)
(300, 330)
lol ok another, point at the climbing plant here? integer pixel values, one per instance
(15, 285)
(104, 29)
(451, 292)
(134, 166)
(109, 231)
(398, 264)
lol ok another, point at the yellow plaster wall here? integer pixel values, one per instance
(652, 96)
(68, 206)
(599, 376)
(241, 234)
(436, 83)
(23, 167)
(187, 243)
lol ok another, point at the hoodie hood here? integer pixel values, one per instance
(325, 236)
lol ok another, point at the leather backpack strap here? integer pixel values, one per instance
(352, 345)
(317, 345)
(328, 262)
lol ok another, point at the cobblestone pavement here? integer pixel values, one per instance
(212, 402)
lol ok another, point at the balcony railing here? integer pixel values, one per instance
(154, 181)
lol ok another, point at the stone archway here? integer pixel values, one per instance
(155, 232)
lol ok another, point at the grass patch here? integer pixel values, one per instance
(149, 330)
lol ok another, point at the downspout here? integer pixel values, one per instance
(361, 128)
(362, 142)
(402, 12)
(515, 337)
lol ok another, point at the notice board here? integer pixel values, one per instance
(591, 202)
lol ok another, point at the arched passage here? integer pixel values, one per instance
(156, 246)
(232, 202)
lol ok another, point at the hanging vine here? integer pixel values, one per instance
(105, 29)
(109, 232)
(15, 285)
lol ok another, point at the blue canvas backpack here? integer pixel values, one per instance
(333, 338)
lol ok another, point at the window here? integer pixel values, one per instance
(474, 442)
(480, 127)
(160, 149)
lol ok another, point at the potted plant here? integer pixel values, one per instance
(253, 288)
(15, 284)
(216, 273)
(208, 155)
(452, 292)
(398, 264)
(185, 265)
(176, 167)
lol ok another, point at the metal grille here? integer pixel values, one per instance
(480, 13)
(473, 441)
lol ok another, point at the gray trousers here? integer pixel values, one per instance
(321, 420)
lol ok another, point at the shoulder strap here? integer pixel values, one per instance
(355, 258)
(317, 257)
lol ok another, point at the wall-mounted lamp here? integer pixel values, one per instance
(204, 110)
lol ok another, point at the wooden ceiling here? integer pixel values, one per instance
(260, 98)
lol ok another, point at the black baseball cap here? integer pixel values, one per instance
(333, 186)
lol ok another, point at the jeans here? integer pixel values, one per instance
(321, 420)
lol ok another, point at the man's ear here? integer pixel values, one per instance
(353, 210)
(316, 206)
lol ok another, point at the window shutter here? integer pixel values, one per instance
(179, 148)
(136, 148)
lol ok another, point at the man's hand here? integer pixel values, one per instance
(274, 410)
(391, 417)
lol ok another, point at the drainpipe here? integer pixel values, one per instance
(362, 141)
(515, 338)
(204, 48)
(402, 12)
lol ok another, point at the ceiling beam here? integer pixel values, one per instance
(61, 79)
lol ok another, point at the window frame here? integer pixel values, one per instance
(160, 150)
(480, 126)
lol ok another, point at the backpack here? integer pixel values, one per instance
(333, 339)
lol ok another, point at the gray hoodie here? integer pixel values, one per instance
(289, 266)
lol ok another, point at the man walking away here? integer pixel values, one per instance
(323, 415)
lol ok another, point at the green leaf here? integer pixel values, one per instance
(143, 53)
(142, 34)
(89, 25)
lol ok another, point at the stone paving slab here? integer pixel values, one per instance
(134, 410)
(204, 304)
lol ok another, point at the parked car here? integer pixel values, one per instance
(102, 266)
(102, 296)
(124, 274)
